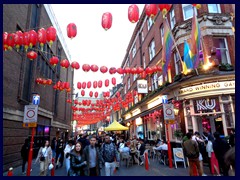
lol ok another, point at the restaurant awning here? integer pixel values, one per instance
(115, 126)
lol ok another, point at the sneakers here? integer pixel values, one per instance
(141, 163)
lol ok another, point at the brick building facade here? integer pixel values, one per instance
(19, 75)
(145, 50)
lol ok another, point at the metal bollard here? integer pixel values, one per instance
(10, 172)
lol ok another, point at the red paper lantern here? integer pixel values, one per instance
(120, 71)
(26, 40)
(154, 69)
(151, 10)
(149, 70)
(42, 37)
(79, 85)
(104, 94)
(90, 93)
(49, 81)
(68, 90)
(139, 70)
(38, 80)
(86, 67)
(51, 35)
(67, 85)
(71, 30)
(96, 94)
(133, 13)
(83, 93)
(54, 61)
(114, 81)
(127, 70)
(10, 41)
(84, 84)
(75, 65)
(89, 84)
(198, 6)
(94, 68)
(99, 84)
(44, 82)
(106, 83)
(103, 69)
(159, 68)
(33, 37)
(5, 37)
(106, 20)
(18, 39)
(64, 63)
(32, 55)
(95, 84)
(112, 70)
(133, 71)
(143, 75)
(164, 8)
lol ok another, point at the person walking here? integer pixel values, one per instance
(77, 162)
(109, 155)
(67, 150)
(92, 157)
(44, 157)
(24, 154)
(54, 147)
(191, 151)
(59, 153)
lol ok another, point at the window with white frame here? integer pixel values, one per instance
(151, 49)
(222, 52)
(142, 36)
(214, 8)
(162, 33)
(144, 61)
(188, 11)
(178, 63)
(154, 79)
(129, 83)
(134, 50)
(150, 23)
(172, 18)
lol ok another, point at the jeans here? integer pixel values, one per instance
(67, 164)
(109, 168)
(23, 165)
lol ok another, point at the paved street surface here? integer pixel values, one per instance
(155, 169)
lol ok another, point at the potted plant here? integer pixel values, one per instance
(225, 67)
(178, 134)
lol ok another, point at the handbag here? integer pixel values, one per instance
(42, 158)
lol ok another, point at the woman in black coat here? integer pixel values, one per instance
(76, 161)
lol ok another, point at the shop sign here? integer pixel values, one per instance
(30, 116)
(208, 86)
(168, 111)
(142, 86)
(206, 105)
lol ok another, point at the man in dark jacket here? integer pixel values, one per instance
(109, 154)
(24, 153)
(92, 157)
(141, 151)
(191, 151)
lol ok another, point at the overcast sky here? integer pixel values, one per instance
(94, 45)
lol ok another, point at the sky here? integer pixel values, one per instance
(94, 45)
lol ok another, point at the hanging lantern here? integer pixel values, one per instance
(42, 37)
(94, 68)
(96, 94)
(64, 63)
(5, 37)
(75, 65)
(44, 82)
(67, 85)
(51, 35)
(49, 81)
(71, 30)
(83, 93)
(127, 70)
(112, 70)
(26, 40)
(54, 61)
(89, 84)
(119, 70)
(133, 71)
(143, 75)
(114, 81)
(99, 84)
(68, 90)
(106, 83)
(84, 84)
(154, 69)
(198, 6)
(139, 70)
(90, 93)
(106, 20)
(159, 68)
(10, 41)
(104, 94)
(149, 70)
(86, 67)
(39, 80)
(32, 38)
(103, 69)
(18, 39)
(164, 8)
(95, 84)
(32, 55)
(151, 10)
(79, 85)
(133, 13)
